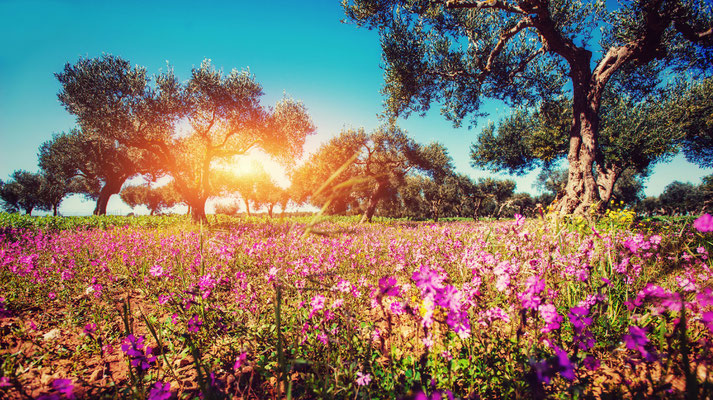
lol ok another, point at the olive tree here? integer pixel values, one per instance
(186, 126)
(458, 52)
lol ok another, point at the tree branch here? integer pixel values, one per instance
(642, 49)
(521, 68)
(691, 34)
(478, 5)
(504, 38)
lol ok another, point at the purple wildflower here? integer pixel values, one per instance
(543, 371)
(566, 368)
(240, 360)
(636, 340)
(134, 348)
(363, 379)
(65, 387)
(530, 297)
(317, 304)
(591, 363)
(427, 280)
(388, 287)
(160, 391)
(549, 314)
(194, 324)
(89, 329)
(704, 223)
(156, 271)
(707, 319)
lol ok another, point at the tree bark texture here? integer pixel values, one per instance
(373, 202)
(197, 207)
(111, 187)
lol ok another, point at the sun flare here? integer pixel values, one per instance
(253, 162)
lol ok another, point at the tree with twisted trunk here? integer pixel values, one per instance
(185, 126)
(457, 52)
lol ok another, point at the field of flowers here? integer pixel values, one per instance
(257, 309)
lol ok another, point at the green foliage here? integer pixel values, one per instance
(155, 199)
(538, 54)
(693, 106)
(223, 118)
(680, 198)
(370, 168)
(26, 191)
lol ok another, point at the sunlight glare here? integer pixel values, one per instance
(246, 164)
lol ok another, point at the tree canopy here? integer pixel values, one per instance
(25, 191)
(358, 170)
(88, 163)
(456, 53)
(185, 126)
(156, 199)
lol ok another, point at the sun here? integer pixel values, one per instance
(252, 161)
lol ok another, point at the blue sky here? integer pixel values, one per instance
(298, 48)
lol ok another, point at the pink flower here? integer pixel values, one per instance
(363, 379)
(704, 223)
(194, 324)
(549, 314)
(389, 287)
(65, 387)
(156, 271)
(317, 304)
(519, 219)
(160, 391)
(90, 328)
(240, 360)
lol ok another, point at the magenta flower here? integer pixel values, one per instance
(437, 395)
(160, 391)
(637, 340)
(707, 319)
(427, 280)
(530, 297)
(134, 348)
(156, 271)
(65, 387)
(705, 298)
(363, 379)
(543, 371)
(591, 363)
(240, 360)
(704, 223)
(549, 314)
(89, 329)
(388, 286)
(317, 304)
(566, 368)
(5, 382)
(194, 324)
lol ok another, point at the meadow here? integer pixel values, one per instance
(160, 308)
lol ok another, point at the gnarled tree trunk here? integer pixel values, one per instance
(110, 188)
(581, 195)
(197, 207)
(373, 202)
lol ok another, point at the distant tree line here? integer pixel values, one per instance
(679, 198)
(178, 132)
(130, 124)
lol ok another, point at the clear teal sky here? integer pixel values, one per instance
(296, 47)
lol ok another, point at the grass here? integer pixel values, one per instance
(253, 308)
